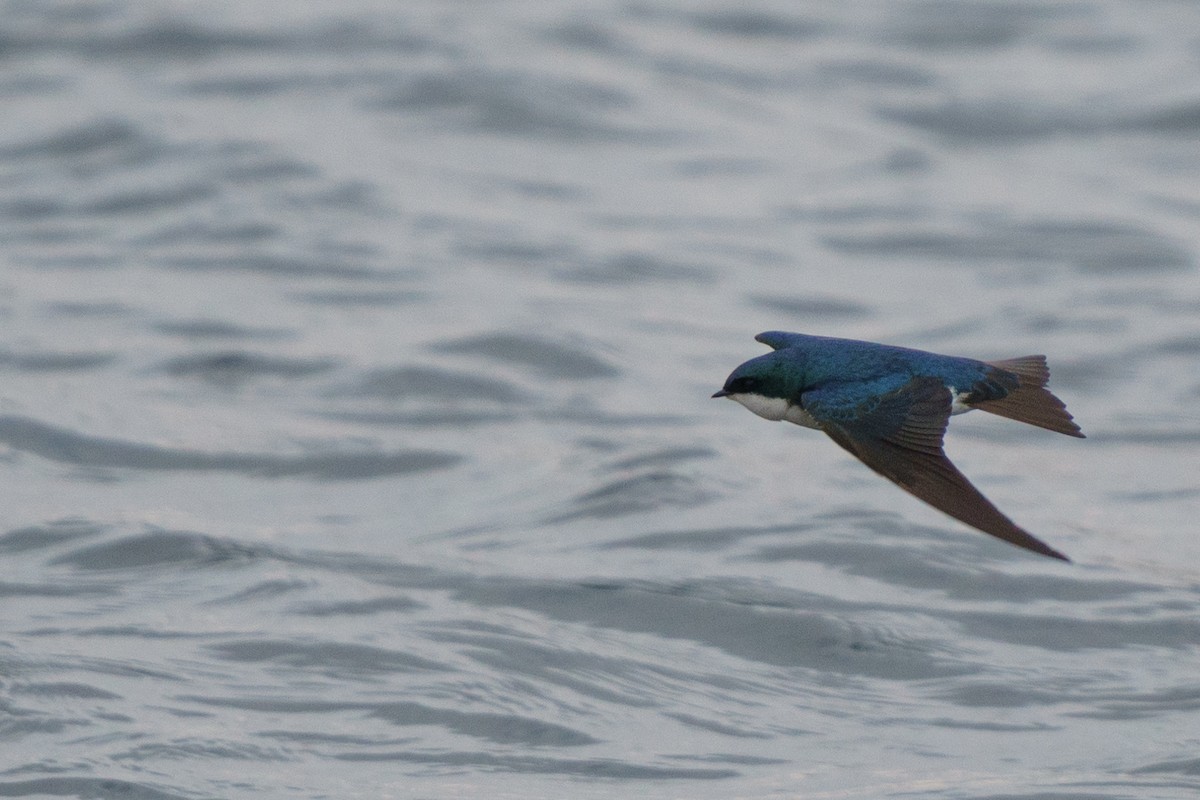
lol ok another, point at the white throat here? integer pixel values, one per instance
(775, 409)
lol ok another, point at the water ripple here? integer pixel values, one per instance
(66, 786)
(155, 549)
(1097, 247)
(550, 358)
(512, 103)
(70, 447)
(591, 768)
(328, 658)
(232, 367)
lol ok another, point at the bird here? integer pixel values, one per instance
(889, 406)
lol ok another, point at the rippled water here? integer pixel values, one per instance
(355, 424)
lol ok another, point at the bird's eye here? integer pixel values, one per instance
(743, 385)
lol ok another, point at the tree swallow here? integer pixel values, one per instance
(889, 406)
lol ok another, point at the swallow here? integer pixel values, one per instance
(889, 406)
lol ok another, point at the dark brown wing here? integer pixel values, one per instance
(900, 437)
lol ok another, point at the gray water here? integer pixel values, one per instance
(355, 428)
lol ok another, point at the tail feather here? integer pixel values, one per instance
(1032, 370)
(1031, 402)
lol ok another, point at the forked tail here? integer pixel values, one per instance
(1031, 401)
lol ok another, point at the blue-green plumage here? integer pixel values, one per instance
(800, 363)
(889, 407)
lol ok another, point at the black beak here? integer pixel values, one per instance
(721, 393)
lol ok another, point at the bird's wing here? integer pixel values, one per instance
(778, 340)
(899, 435)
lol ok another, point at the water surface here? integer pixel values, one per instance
(356, 431)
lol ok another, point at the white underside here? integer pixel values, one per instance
(777, 408)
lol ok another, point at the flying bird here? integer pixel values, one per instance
(889, 406)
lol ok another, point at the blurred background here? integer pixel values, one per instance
(355, 429)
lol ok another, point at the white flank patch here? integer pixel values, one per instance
(957, 406)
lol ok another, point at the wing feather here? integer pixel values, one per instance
(900, 438)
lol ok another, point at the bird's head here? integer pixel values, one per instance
(767, 385)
